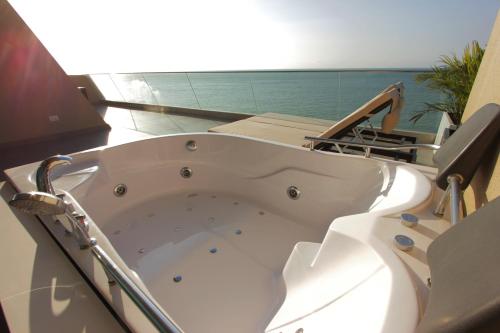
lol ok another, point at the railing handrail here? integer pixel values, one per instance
(429, 146)
(80, 225)
(147, 306)
(452, 192)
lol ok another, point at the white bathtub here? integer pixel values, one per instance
(250, 258)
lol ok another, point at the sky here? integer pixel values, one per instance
(122, 36)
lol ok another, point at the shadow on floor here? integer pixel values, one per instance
(126, 125)
(31, 152)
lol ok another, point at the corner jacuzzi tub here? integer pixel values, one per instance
(232, 234)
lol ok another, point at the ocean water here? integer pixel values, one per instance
(320, 94)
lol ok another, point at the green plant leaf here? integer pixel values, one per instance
(454, 78)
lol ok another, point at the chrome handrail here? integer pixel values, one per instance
(336, 142)
(452, 195)
(155, 315)
(80, 225)
(454, 182)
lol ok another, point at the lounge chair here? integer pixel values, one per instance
(391, 97)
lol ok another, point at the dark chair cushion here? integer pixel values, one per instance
(465, 275)
(462, 152)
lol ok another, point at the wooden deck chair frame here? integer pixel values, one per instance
(391, 96)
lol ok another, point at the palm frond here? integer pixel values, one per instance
(454, 79)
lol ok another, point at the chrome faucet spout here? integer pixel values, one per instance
(46, 202)
(43, 180)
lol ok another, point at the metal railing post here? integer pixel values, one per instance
(454, 184)
(441, 206)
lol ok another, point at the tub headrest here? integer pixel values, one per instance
(464, 151)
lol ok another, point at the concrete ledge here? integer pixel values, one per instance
(198, 113)
(19, 153)
(104, 127)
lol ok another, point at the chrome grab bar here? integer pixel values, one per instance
(454, 183)
(46, 202)
(114, 273)
(453, 194)
(368, 146)
(155, 315)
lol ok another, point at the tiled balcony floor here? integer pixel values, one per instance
(126, 125)
(153, 123)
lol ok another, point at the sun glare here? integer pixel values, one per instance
(127, 36)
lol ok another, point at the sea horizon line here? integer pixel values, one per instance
(373, 69)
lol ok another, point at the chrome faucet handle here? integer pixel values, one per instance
(43, 181)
